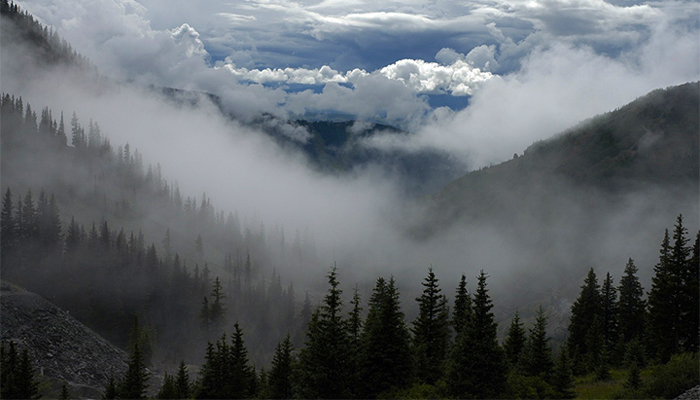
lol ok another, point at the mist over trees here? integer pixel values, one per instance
(208, 294)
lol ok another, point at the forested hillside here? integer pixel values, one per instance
(650, 143)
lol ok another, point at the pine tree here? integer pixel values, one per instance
(324, 361)
(241, 376)
(168, 389)
(135, 382)
(355, 325)
(463, 308)
(65, 395)
(563, 378)
(110, 390)
(431, 332)
(18, 380)
(210, 374)
(634, 378)
(690, 311)
(538, 361)
(182, 382)
(386, 355)
(585, 309)
(8, 229)
(217, 311)
(631, 304)
(610, 312)
(477, 366)
(73, 238)
(662, 322)
(515, 342)
(280, 376)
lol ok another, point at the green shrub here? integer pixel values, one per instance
(672, 379)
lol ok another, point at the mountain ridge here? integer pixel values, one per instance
(652, 141)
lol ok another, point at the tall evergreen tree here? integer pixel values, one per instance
(662, 320)
(111, 391)
(631, 304)
(610, 312)
(182, 382)
(690, 310)
(135, 382)
(18, 380)
(585, 309)
(217, 312)
(355, 325)
(463, 307)
(477, 366)
(280, 376)
(431, 332)
(8, 228)
(210, 375)
(324, 360)
(241, 376)
(386, 361)
(563, 379)
(515, 342)
(538, 361)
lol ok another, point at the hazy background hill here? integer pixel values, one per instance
(651, 142)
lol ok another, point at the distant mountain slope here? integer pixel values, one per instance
(59, 346)
(651, 142)
(337, 147)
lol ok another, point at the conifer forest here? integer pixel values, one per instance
(570, 271)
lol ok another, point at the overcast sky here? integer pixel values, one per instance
(548, 63)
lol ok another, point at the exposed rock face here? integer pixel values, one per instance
(59, 346)
(690, 394)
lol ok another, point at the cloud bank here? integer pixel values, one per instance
(296, 58)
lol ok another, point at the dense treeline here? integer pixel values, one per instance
(458, 355)
(51, 48)
(104, 273)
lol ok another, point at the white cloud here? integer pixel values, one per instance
(558, 86)
(459, 78)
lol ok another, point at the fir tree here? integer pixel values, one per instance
(210, 373)
(463, 307)
(477, 365)
(8, 228)
(355, 332)
(538, 361)
(662, 322)
(168, 389)
(110, 390)
(324, 360)
(65, 395)
(280, 376)
(135, 382)
(217, 312)
(241, 376)
(585, 309)
(690, 308)
(515, 342)
(386, 360)
(182, 382)
(18, 380)
(431, 332)
(563, 378)
(631, 305)
(610, 312)
(634, 378)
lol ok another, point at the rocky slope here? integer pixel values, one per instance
(60, 347)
